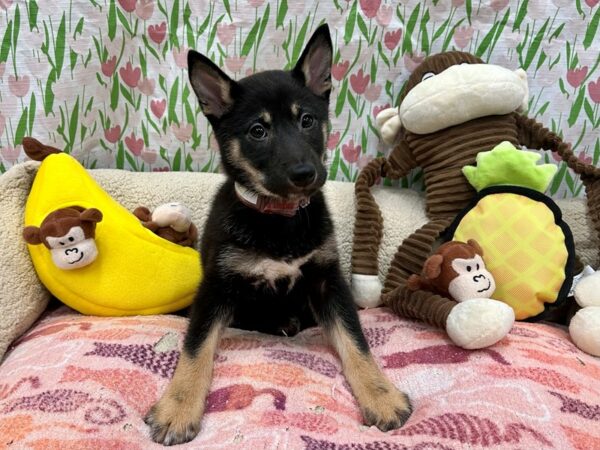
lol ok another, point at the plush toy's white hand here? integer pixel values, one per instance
(389, 124)
(585, 329)
(366, 290)
(479, 322)
(174, 215)
(587, 291)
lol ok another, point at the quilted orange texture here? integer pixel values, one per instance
(83, 382)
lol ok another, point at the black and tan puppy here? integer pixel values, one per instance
(268, 249)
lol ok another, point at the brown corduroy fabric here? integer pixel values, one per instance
(423, 305)
(411, 255)
(442, 155)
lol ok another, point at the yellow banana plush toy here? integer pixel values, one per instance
(134, 271)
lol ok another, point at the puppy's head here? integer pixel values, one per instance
(271, 126)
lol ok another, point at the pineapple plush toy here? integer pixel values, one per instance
(525, 244)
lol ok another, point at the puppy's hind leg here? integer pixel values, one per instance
(176, 417)
(380, 402)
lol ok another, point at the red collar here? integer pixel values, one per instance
(269, 205)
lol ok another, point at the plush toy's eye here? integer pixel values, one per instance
(477, 266)
(71, 238)
(257, 131)
(61, 243)
(427, 75)
(468, 268)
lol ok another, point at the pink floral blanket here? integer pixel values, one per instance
(76, 382)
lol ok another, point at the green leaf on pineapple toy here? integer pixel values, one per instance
(507, 165)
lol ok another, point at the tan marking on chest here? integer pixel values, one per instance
(264, 269)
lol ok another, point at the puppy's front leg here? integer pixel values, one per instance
(380, 402)
(176, 417)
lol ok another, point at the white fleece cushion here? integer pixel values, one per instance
(23, 298)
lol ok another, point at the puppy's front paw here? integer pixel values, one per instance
(173, 422)
(387, 408)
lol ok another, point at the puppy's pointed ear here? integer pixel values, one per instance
(212, 87)
(314, 66)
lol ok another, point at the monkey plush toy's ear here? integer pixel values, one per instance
(433, 266)
(314, 66)
(142, 213)
(91, 215)
(475, 245)
(32, 236)
(145, 217)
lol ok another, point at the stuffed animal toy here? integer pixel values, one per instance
(135, 271)
(584, 327)
(452, 108)
(171, 221)
(529, 248)
(69, 234)
(457, 270)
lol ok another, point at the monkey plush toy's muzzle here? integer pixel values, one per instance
(75, 256)
(462, 93)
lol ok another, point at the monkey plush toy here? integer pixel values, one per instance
(69, 234)
(452, 108)
(457, 270)
(171, 221)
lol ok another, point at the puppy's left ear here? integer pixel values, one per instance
(314, 66)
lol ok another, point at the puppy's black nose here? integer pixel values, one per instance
(302, 175)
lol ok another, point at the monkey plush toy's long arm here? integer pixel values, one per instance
(368, 228)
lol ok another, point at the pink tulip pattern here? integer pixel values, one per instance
(109, 79)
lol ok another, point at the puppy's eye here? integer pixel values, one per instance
(71, 238)
(427, 75)
(257, 131)
(307, 120)
(468, 268)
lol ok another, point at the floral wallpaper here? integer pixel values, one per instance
(106, 79)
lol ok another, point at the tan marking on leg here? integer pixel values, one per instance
(177, 416)
(380, 402)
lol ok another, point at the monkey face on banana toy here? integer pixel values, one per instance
(453, 108)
